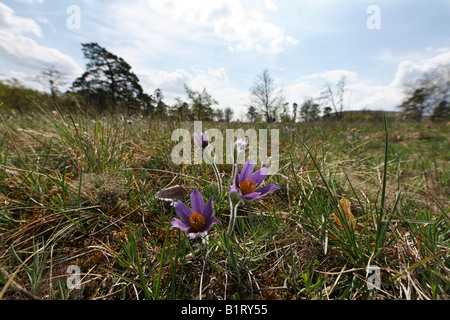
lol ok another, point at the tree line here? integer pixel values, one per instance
(109, 85)
(269, 105)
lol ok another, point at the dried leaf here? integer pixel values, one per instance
(345, 204)
(172, 194)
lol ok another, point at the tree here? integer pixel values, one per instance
(201, 103)
(181, 109)
(219, 114)
(252, 115)
(285, 115)
(309, 111)
(265, 97)
(15, 96)
(335, 98)
(52, 79)
(441, 111)
(294, 112)
(228, 114)
(415, 106)
(160, 108)
(108, 78)
(327, 112)
(429, 95)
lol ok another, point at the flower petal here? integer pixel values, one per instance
(252, 196)
(183, 211)
(236, 178)
(234, 188)
(196, 138)
(208, 212)
(197, 203)
(193, 235)
(260, 175)
(177, 223)
(211, 222)
(266, 189)
(247, 170)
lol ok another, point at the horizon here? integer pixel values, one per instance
(222, 46)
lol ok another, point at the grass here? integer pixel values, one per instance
(79, 190)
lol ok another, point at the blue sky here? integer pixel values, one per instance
(221, 45)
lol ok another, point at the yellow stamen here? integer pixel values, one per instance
(247, 186)
(197, 221)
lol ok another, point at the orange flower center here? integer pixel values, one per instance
(197, 221)
(247, 186)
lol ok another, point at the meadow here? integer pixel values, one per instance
(362, 213)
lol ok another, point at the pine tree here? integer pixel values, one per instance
(414, 107)
(108, 79)
(309, 111)
(252, 115)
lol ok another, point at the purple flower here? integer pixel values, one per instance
(287, 130)
(201, 139)
(196, 221)
(245, 184)
(241, 144)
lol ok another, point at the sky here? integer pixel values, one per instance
(222, 45)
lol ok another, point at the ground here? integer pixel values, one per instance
(79, 190)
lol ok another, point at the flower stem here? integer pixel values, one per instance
(233, 214)
(211, 159)
(219, 180)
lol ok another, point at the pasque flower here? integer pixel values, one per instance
(196, 221)
(241, 144)
(245, 186)
(201, 139)
(246, 183)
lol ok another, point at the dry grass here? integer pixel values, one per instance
(78, 192)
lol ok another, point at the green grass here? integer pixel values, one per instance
(76, 190)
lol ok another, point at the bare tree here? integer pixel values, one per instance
(265, 96)
(335, 98)
(52, 79)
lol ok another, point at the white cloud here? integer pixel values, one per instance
(388, 97)
(409, 71)
(299, 91)
(270, 5)
(11, 23)
(171, 83)
(215, 81)
(31, 1)
(20, 48)
(334, 75)
(229, 20)
(362, 94)
(359, 94)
